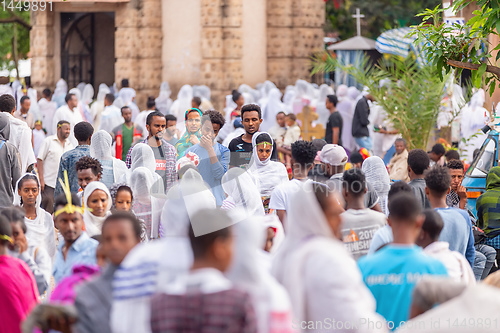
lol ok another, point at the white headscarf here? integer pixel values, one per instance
(142, 156)
(41, 230)
(266, 174)
(87, 94)
(100, 148)
(103, 91)
(77, 92)
(288, 99)
(80, 86)
(60, 92)
(93, 224)
(98, 106)
(376, 174)
(182, 104)
(126, 98)
(321, 110)
(346, 106)
(147, 267)
(270, 299)
(163, 102)
(242, 192)
(271, 109)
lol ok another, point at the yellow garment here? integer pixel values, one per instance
(398, 167)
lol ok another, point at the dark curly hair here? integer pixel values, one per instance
(438, 180)
(250, 108)
(418, 161)
(455, 165)
(214, 116)
(404, 208)
(87, 162)
(452, 155)
(263, 137)
(7, 103)
(83, 131)
(303, 152)
(354, 181)
(399, 187)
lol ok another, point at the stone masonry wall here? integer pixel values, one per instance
(294, 32)
(42, 43)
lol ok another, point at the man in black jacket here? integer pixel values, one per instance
(360, 123)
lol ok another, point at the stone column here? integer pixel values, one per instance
(42, 44)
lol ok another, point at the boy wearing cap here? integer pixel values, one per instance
(359, 223)
(334, 159)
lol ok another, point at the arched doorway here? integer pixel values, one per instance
(87, 48)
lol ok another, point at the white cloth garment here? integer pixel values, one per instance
(100, 148)
(288, 98)
(41, 231)
(272, 221)
(376, 174)
(271, 109)
(234, 134)
(265, 91)
(181, 105)
(226, 130)
(321, 110)
(302, 96)
(20, 137)
(142, 182)
(318, 272)
(204, 93)
(50, 153)
(163, 102)
(47, 111)
(148, 266)
(34, 108)
(71, 116)
(126, 98)
(457, 266)
(60, 92)
(247, 272)
(87, 94)
(473, 117)
(242, 192)
(110, 118)
(141, 121)
(98, 106)
(93, 224)
(266, 174)
(38, 137)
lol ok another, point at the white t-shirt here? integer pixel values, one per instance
(358, 228)
(280, 197)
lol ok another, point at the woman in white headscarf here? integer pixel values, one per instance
(126, 97)
(241, 193)
(142, 156)
(315, 268)
(345, 106)
(376, 174)
(302, 96)
(146, 206)
(265, 90)
(247, 271)
(41, 231)
(97, 201)
(98, 106)
(81, 108)
(87, 94)
(288, 99)
(163, 102)
(473, 117)
(112, 168)
(204, 93)
(266, 174)
(321, 110)
(271, 109)
(146, 268)
(181, 104)
(60, 92)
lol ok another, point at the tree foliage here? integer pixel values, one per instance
(13, 17)
(463, 46)
(380, 15)
(411, 95)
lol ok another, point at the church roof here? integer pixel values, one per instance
(354, 43)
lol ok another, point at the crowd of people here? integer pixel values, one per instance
(183, 218)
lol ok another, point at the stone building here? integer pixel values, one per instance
(219, 43)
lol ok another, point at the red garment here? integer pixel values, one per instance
(119, 141)
(18, 293)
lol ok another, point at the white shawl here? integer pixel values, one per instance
(100, 148)
(93, 224)
(20, 137)
(242, 192)
(376, 174)
(266, 174)
(41, 231)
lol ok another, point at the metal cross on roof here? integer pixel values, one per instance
(358, 16)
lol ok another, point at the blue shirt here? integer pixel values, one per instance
(391, 275)
(457, 231)
(68, 161)
(81, 252)
(212, 173)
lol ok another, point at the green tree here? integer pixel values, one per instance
(14, 35)
(411, 95)
(463, 47)
(380, 15)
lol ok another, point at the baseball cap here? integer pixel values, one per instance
(333, 154)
